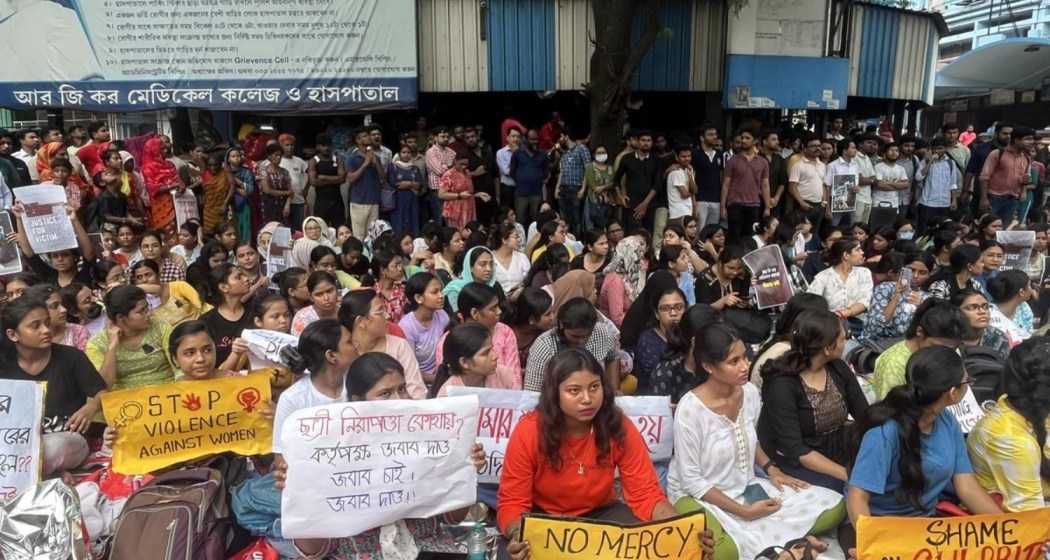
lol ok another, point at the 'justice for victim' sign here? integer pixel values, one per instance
(161, 425)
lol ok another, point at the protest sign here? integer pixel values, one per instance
(769, 276)
(561, 538)
(279, 250)
(1017, 536)
(501, 409)
(843, 197)
(161, 425)
(1017, 248)
(264, 347)
(10, 255)
(967, 412)
(47, 225)
(356, 466)
(185, 208)
(21, 413)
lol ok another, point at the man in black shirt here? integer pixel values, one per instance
(642, 173)
(481, 164)
(708, 166)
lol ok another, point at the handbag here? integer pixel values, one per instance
(387, 198)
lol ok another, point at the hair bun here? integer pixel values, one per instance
(291, 357)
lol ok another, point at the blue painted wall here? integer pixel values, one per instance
(521, 45)
(791, 82)
(667, 66)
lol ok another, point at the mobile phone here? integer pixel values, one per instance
(906, 276)
(753, 494)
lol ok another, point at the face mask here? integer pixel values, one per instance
(601, 158)
(906, 235)
(94, 311)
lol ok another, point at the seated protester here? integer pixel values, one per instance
(388, 281)
(62, 331)
(323, 257)
(106, 275)
(479, 303)
(624, 278)
(551, 233)
(375, 376)
(509, 265)
(880, 243)
(808, 395)
(668, 308)
(193, 352)
(1008, 445)
(1010, 291)
(992, 256)
(133, 350)
(675, 259)
(74, 387)
(710, 242)
(847, 285)
(226, 234)
(577, 327)
(533, 316)
(676, 373)
(477, 267)
(467, 359)
(425, 320)
(146, 275)
(113, 204)
(293, 286)
(549, 267)
(83, 309)
(268, 312)
(596, 254)
(365, 316)
(819, 261)
(765, 232)
(785, 326)
(352, 259)
(562, 458)
(172, 267)
(250, 262)
(674, 235)
(229, 316)
(213, 255)
(912, 448)
(16, 284)
(936, 323)
(62, 269)
(641, 315)
(726, 288)
(893, 302)
(127, 251)
(188, 247)
(960, 274)
(448, 246)
(943, 241)
(975, 307)
(713, 468)
(324, 297)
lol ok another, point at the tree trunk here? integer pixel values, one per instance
(615, 59)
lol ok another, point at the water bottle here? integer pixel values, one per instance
(477, 546)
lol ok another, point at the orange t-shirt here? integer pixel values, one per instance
(529, 481)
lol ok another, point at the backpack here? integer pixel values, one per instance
(180, 515)
(985, 367)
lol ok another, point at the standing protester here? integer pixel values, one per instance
(440, 158)
(366, 176)
(29, 143)
(778, 174)
(681, 186)
(1005, 178)
(327, 174)
(570, 193)
(939, 181)
(745, 189)
(530, 169)
(298, 173)
(707, 162)
(643, 179)
(482, 168)
(867, 157)
(503, 157)
(806, 183)
(971, 186)
(891, 180)
(7, 142)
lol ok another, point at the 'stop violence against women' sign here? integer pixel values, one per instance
(1016, 536)
(161, 425)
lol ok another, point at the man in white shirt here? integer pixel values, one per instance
(30, 142)
(681, 186)
(503, 157)
(890, 179)
(846, 164)
(867, 157)
(806, 182)
(300, 172)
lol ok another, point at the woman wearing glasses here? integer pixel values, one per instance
(976, 309)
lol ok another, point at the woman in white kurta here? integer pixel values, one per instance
(715, 453)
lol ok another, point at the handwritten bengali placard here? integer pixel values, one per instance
(161, 425)
(359, 465)
(560, 538)
(279, 251)
(21, 413)
(48, 227)
(264, 347)
(1017, 536)
(501, 409)
(185, 207)
(968, 411)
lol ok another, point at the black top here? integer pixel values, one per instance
(224, 332)
(708, 175)
(643, 175)
(50, 275)
(813, 265)
(71, 380)
(484, 182)
(709, 290)
(786, 426)
(21, 167)
(112, 204)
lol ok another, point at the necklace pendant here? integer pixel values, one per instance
(579, 470)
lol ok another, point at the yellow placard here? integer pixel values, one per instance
(1013, 536)
(552, 538)
(163, 425)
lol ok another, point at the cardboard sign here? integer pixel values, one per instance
(1017, 248)
(501, 409)
(560, 538)
(356, 466)
(47, 225)
(769, 276)
(1017, 536)
(264, 347)
(21, 414)
(161, 425)
(10, 254)
(843, 199)
(279, 251)
(185, 208)
(967, 412)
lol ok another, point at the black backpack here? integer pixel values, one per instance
(985, 367)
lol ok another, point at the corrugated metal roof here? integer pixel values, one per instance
(666, 66)
(891, 53)
(708, 49)
(521, 37)
(575, 20)
(452, 56)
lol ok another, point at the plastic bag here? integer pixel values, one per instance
(258, 550)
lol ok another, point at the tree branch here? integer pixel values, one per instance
(642, 48)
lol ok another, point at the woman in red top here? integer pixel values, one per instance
(561, 459)
(457, 190)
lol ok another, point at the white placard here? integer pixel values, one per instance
(1017, 248)
(279, 250)
(185, 207)
(967, 412)
(10, 254)
(47, 224)
(360, 465)
(501, 409)
(264, 347)
(21, 417)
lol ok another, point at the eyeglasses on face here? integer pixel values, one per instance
(975, 307)
(673, 308)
